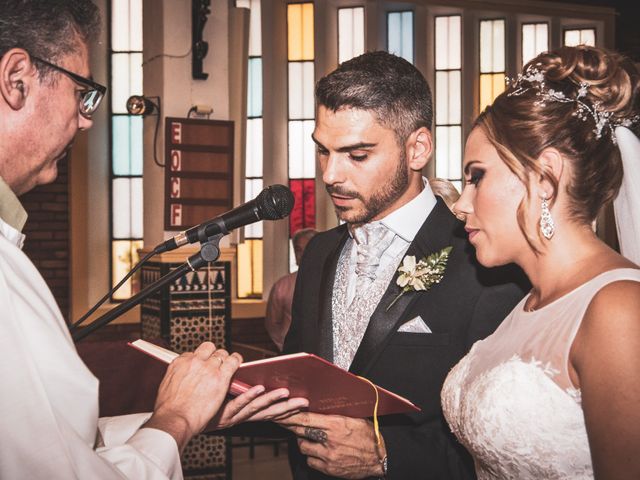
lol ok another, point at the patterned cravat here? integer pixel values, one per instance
(372, 240)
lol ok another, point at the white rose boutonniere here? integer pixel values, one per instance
(423, 274)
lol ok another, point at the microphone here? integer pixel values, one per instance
(272, 203)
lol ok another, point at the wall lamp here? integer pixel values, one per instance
(143, 106)
(140, 105)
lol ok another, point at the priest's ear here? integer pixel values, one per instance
(419, 148)
(17, 75)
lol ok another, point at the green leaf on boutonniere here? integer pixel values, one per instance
(423, 274)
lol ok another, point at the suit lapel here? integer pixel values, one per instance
(433, 236)
(325, 315)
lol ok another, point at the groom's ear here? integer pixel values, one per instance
(419, 148)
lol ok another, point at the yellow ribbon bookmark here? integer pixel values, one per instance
(376, 428)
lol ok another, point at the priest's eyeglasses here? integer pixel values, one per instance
(90, 98)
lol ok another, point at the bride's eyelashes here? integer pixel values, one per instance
(475, 175)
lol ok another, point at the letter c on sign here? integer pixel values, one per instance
(175, 187)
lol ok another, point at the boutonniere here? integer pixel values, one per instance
(423, 274)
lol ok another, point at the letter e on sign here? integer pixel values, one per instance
(176, 160)
(176, 215)
(176, 132)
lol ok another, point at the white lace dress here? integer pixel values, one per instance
(511, 401)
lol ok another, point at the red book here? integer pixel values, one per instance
(329, 388)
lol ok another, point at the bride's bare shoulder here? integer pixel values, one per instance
(613, 315)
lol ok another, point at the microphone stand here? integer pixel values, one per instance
(209, 252)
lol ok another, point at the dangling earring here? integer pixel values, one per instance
(547, 227)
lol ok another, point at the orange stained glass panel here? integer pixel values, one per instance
(300, 31)
(250, 269)
(491, 85)
(125, 256)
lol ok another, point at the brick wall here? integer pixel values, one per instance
(47, 231)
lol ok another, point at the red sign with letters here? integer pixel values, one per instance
(198, 171)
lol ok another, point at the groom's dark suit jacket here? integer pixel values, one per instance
(466, 306)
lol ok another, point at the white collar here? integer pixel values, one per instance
(14, 236)
(407, 220)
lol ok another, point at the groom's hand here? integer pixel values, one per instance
(338, 446)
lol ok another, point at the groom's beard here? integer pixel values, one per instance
(378, 201)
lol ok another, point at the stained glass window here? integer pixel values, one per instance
(350, 33)
(301, 151)
(448, 96)
(400, 34)
(300, 32)
(250, 252)
(126, 143)
(535, 40)
(492, 60)
(580, 36)
(250, 259)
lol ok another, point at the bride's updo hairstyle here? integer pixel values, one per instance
(570, 99)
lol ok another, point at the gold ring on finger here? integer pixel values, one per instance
(219, 358)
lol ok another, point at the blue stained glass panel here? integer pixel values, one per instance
(127, 145)
(407, 36)
(400, 34)
(254, 102)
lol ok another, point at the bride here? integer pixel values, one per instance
(555, 391)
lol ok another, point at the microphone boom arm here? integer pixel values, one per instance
(209, 252)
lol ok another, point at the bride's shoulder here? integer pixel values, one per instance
(619, 295)
(608, 338)
(614, 311)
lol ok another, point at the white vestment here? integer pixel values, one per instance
(49, 401)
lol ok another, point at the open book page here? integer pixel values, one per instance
(329, 388)
(167, 356)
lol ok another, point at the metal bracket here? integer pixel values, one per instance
(200, 10)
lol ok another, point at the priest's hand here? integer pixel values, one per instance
(255, 405)
(338, 446)
(192, 391)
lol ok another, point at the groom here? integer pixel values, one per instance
(373, 136)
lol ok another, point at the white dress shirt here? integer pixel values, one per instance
(49, 401)
(405, 223)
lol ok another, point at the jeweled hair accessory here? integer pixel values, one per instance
(534, 77)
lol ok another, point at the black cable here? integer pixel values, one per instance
(155, 137)
(148, 60)
(75, 325)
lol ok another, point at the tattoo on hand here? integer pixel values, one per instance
(315, 434)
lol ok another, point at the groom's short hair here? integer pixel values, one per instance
(384, 84)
